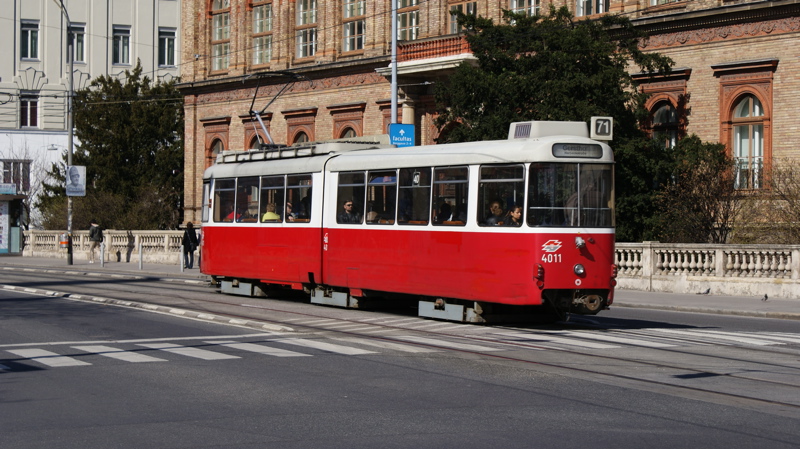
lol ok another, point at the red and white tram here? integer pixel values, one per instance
(473, 231)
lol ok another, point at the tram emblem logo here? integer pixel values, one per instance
(551, 246)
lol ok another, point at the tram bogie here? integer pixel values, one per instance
(477, 232)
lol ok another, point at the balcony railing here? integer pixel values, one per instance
(432, 48)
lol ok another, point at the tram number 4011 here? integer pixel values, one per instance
(551, 258)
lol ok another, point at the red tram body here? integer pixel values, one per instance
(426, 223)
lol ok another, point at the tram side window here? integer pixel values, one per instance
(596, 203)
(552, 195)
(381, 197)
(224, 199)
(271, 206)
(414, 205)
(247, 199)
(350, 198)
(298, 198)
(501, 194)
(206, 200)
(450, 194)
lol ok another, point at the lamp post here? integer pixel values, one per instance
(70, 58)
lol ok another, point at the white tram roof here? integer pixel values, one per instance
(341, 156)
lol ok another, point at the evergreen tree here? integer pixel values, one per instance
(130, 133)
(552, 67)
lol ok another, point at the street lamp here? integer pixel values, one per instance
(69, 128)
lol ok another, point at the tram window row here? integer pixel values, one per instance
(558, 194)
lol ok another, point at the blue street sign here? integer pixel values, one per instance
(401, 135)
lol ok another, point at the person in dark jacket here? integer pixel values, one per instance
(95, 239)
(189, 243)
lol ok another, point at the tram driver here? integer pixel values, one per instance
(347, 215)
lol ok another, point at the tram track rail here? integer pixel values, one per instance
(188, 294)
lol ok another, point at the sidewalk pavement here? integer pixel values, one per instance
(697, 303)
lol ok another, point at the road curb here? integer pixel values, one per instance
(169, 310)
(713, 311)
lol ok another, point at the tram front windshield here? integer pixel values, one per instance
(571, 195)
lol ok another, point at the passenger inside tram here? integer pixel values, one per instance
(495, 217)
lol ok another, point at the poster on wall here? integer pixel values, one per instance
(4, 231)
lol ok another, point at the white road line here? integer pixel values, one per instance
(711, 334)
(47, 358)
(142, 340)
(781, 337)
(259, 349)
(326, 320)
(189, 352)
(549, 338)
(119, 354)
(446, 343)
(328, 347)
(615, 339)
(385, 345)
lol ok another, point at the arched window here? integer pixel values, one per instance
(254, 144)
(211, 156)
(301, 137)
(665, 124)
(348, 133)
(748, 142)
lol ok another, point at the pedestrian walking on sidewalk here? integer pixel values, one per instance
(95, 238)
(189, 243)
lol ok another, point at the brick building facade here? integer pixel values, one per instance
(735, 78)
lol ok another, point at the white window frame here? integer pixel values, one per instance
(29, 40)
(468, 8)
(29, 110)
(590, 7)
(220, 35)
(262, 33)
(306, 40)
(167, 38)
(77, 35)
(121, 45)
(407, 20)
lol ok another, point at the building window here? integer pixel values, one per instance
(306, 33)
(166, 47)
(748, 142)
(527, 7)
(29, 40)
(121, 46)
(262, 34)
(29, 111)
(662, 2)
(468, 8)
(17, 172)
(220, 34)
(77, 37)
(589, 7)
(407, 20)
(666, 124)
(354, 24)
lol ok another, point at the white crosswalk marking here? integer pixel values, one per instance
(446, 343)
(260, 349)
(385, 345)
(328, 347)
(119, 354)
(47, 358)
(781, 337)
(712, 334)
(189, 352)
(615, 339)
(550, 338)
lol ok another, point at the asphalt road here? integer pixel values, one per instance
(90, 374)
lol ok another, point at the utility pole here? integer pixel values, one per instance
(70, 58)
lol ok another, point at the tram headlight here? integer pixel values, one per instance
(579, 269)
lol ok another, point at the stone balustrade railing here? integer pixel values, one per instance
(739, 270)
(120, 246)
